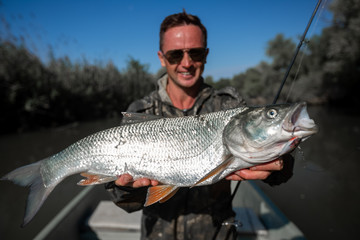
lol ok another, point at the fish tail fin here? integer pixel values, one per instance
(29, 175)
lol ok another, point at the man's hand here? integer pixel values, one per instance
(261, 171)
(127, 180)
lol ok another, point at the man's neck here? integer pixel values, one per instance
(182, 98)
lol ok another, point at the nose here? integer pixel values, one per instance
(186, 60)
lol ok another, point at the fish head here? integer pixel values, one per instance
(262, 134)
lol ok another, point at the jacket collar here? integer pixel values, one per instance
(204, 93)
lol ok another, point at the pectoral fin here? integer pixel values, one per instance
(92, 179)
(227, 161)
(160, 193)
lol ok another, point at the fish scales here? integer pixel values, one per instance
(86, 154)
(177, 149)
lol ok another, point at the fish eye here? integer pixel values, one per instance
(272, 113)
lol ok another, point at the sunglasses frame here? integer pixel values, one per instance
(171, 60)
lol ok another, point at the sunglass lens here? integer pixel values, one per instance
(197, 54)
(174, 56)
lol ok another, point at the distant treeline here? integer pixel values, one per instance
(34, 94)
(329, 69)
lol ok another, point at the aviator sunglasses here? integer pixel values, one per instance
(175, 56)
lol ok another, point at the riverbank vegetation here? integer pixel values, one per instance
(329, 70)
(34, 94)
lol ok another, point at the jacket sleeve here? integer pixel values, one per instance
(282, 176)
(128, 198)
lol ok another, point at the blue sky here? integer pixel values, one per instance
(100, 31)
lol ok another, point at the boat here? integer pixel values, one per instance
(90, 215)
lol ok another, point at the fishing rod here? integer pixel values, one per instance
(286, 75)
(296, 52)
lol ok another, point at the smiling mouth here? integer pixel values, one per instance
(185, 73)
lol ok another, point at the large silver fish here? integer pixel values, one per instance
(178, 152)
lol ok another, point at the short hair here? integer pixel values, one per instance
(181, 19)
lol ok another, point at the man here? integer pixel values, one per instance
(196, 213)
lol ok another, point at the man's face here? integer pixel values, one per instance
(187, 72)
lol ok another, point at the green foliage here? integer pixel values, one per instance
(342, 65)
(221, 83)
(209, 80)
(34, 95)
(23, 94)
(281, 51)
(137, 80)
(327, 68)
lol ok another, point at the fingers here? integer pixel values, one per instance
(261, 171)
(275, 165)
(246, 174)
(127, 180)
(235, 177)
(124, 180)
(143, 182)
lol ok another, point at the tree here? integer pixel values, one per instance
(37, 95)
(281, 51)
(342, 64)
(138, 82)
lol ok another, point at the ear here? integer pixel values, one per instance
(161, 58)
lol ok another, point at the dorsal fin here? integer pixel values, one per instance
(130, 117)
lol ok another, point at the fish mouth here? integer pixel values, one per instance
(299, 123)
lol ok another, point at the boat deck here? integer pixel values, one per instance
(92, 216)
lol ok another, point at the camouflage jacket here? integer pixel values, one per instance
(195, 213)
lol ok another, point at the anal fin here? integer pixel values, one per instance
(92, 179)
(160, 193)
(169, 196)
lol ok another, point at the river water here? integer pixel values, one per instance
(21, 149)
(322, 198)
